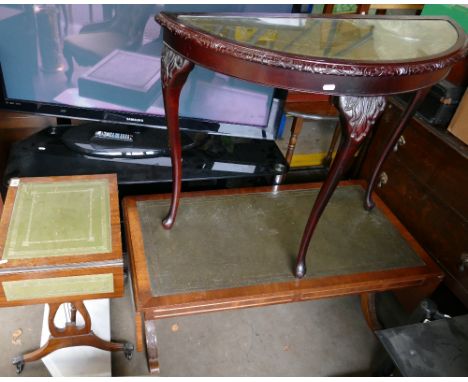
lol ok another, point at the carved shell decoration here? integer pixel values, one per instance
(171, 62)
(360, 113)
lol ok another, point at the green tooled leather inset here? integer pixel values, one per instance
(232, 241)
(58, 219)
(58, 287)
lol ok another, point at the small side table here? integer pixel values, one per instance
(60, 242)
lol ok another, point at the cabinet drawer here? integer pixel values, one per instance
(440, 230)
(436, 165)
(426, 189)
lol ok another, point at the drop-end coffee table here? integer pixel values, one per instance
(234, 248)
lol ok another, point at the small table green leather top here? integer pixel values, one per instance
(58, 238)
(53, 219)
(357, 59)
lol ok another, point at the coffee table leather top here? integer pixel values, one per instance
(248, 239)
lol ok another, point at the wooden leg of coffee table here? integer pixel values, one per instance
(175, 70)
(369, 310)
(410, 109)
(151, 346)
(139, 332)
(71, 335)
(357, 115)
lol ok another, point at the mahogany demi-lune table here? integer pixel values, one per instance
(360, 60)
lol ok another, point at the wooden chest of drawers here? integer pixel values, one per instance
(426, 182)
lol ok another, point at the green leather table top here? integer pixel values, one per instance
(58, 219)
(231, 241)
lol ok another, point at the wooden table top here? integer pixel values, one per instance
(319, 51)
(240, 245)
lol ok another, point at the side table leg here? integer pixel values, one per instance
(357, 115)
(71, 335)
(410, 109)
(151, 346)
(175, 70)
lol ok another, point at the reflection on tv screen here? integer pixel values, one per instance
(108, 57)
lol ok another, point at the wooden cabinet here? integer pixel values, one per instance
(426, 187)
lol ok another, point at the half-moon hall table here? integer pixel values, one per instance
(357, 59)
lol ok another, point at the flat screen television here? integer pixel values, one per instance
(101, 63)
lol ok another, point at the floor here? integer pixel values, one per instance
(315, 338)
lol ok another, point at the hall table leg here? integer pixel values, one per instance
(175, 70)
(357, 115)
(410, 109)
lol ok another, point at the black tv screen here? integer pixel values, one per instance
(102, 62)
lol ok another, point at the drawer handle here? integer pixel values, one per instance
(383, 179)
(464, 261)
(401, 142)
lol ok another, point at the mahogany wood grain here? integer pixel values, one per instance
(459, 73)
(357, 116)
(175, 70)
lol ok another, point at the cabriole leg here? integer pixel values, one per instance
(357, 115)
(175, 70)
(410, 109)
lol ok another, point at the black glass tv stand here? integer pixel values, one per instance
(140, 157)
